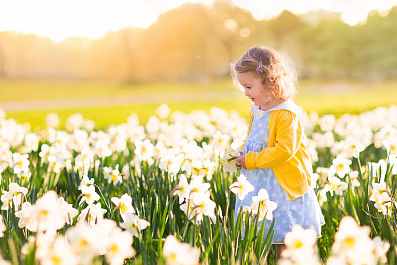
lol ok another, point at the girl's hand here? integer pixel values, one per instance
(241, 162)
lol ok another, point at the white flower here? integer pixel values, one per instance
(89, 195)
(26, 218)
(263, 206)
(334, 184)
(85, 241)
(353, 147)
(183, 189)
(14, 195)
(380, 249)
(124, 204)
(59, 253)
(52, 120)
(6, 200)
(144, 150)
(300, 247)
(353, 243)
(69, 211)
(133, 224)
(198, 188)
(85, 181)
(381, 196)
(242, 187)
(113, 175)
(327, 122)
(176, 253)
(119, 247)
(21, 163)
(163, 111)
(48, 212)
(197, 208)
(93, 212)
(341, 166)
(229, 161)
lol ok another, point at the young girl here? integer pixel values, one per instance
(274, 156)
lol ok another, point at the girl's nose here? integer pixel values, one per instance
(246, 92)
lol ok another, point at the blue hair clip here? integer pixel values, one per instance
(259, 69)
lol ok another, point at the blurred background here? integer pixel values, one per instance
(108, 59)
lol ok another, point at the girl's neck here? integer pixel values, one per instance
(271, 104)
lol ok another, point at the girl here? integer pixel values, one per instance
(274, 155)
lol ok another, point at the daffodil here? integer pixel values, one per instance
(242, 187)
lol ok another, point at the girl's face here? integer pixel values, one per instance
(256, 91)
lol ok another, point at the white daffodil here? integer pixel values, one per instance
(163, 111)
(176, 253)
(144, 150)
(93, 213)
(300, 247)
(334, 184)
(124, 204)
(381, 196)
(21, 163)
(89, 195)
(196, 209)
(15, 195)
(229, 161)
(48, 212)
(52, 120)
(85, 181)
(133, 224)
(352, 147)
(6, 200)
(341, 166)
(85, 241)
(26, 218)
(354, 178)
(59, 253)
(353, 243)
(198, 188)
(69, 211)
(183, 189)
(119, 247)
(263, 206)
(242, 187)
(380, 249)
(112, 175)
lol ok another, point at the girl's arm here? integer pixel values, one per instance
(288, 138)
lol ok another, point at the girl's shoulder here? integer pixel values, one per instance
(289, 106)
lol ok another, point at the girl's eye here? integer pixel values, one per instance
(248, 87)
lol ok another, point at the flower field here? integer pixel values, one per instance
(164, 192)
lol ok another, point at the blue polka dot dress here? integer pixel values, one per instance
(304, 211)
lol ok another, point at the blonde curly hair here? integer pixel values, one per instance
(275, 71)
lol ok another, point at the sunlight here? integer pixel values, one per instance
(59, 20)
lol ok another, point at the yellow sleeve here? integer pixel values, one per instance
(288, 139)
(248, 132)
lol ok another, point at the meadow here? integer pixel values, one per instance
(321, 96)
(154, 184)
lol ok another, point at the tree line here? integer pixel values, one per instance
(198, 42)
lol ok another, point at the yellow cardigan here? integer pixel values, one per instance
(286, 153)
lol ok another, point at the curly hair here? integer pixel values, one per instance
(275, 73)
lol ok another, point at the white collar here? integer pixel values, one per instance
(287, 105)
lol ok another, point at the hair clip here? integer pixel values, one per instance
(259, 69)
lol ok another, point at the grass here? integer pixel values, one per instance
(35, 89)
(323, 97)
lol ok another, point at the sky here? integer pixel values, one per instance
(60, 19)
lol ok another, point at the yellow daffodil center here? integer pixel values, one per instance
(297, 244)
